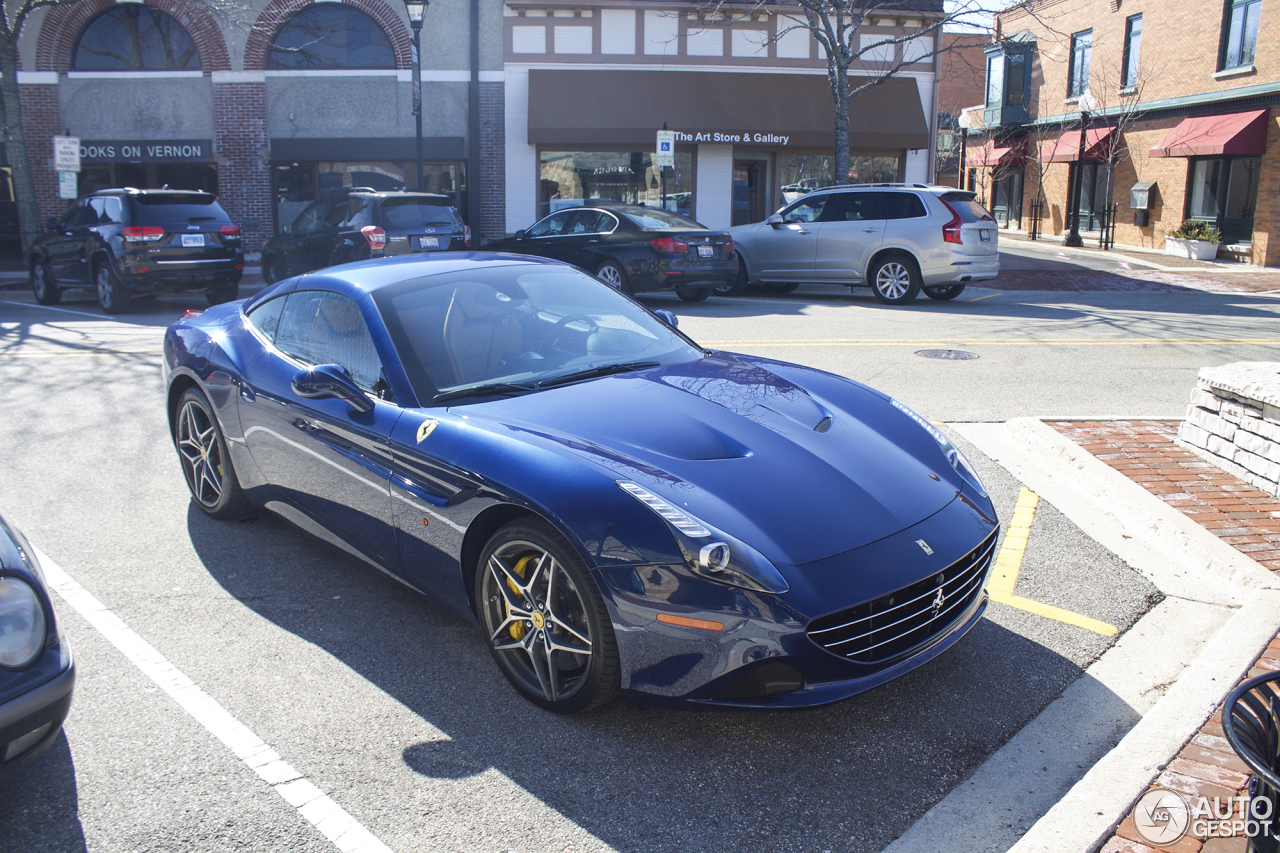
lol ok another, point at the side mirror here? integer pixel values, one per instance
(522, 234)
(774, 219)
(667, 317)
(286, 229)
(51, 224)
(330, 381)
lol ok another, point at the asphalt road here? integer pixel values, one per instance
(394, 709)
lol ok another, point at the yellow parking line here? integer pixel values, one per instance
(1004, 572)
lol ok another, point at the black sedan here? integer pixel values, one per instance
(633, 248)
(37, 675)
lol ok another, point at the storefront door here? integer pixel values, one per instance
(1095, 194)
(750, 190)
(1007, 202)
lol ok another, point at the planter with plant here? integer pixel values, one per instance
(1193, 239)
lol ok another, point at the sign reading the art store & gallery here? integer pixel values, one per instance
(739, 138)
(145, 151)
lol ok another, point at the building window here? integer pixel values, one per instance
(1132, 48)
(332, 35)
(1015, 80)
(1224, 190)
(134, 38)
(995, 79)
(1078, 74)
(570, 178)
(1240, 33)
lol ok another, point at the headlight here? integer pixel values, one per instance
(957, 459)
(22, 625)
(709, 552)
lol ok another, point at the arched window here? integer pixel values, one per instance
(332, 35)
(134, 38)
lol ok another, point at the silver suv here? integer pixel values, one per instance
(895, 238)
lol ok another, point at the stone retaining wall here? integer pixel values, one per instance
(1233, 420)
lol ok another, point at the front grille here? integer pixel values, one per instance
(894, 624)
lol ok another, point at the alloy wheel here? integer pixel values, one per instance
(537, 621)
(201, 453)
(893, 280)
(39, 282)
(610, 275)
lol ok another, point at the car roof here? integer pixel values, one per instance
(929, 188)
(399, 194)
(136, 191)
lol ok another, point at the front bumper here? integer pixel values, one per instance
(30, 722)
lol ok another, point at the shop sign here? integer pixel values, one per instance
(66, 154)
(145, 151)
(665, 156)
(743, 137)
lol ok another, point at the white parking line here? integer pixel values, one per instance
(63, 310)
(313, 804)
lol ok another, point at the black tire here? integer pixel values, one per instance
(113, 296)
(612, 274)
(224, 292)
(738, 284)
(515, 579)
(942, 294)
(692, 294)
(273, 270)
(202, 452)
(894, 279)
(42, 285)
(781, 286)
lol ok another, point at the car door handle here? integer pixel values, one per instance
(306, 426)
(871, 230)
(802, 231)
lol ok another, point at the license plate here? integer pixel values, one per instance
(428, 242)
(193, 240)
(985, 234)
(706, 251)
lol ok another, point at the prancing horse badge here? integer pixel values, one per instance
(924, 546)
(425, 428)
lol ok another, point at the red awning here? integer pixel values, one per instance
(1236, 133)
(990, 154)
(1066, 148)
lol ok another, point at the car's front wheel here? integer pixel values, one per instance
(205, 463)
(46, 292)
(895, 279)
(546, 622)
(949, 291)
(224, 292)
(113, 296)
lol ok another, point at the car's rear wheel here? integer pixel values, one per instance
(224, 292)
(612, 274)
(203, 453)
(46, 292)
(949, 291)
(692, 294)
(113, 296)
(546, 622)
(895, 279)
(738, 284)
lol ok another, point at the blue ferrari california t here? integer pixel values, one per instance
(617, 508)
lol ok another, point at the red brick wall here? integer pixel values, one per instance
(244, 176)
(40, 123)
(490, 174)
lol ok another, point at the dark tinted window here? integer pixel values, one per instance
(854, 207)
(903, 206)
(966, 208)
(79, 216)
(178, 207)
(336, 214)
(266, 316)
(332, 35)
(319, 327)
(661, 220)
(135, 38)
(416, 212)
(358, 215)
(312, 218)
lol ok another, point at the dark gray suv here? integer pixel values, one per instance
(128, 242)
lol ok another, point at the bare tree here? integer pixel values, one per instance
(837, 27)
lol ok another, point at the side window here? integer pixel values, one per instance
(805, 210)
(552, 225)
(586, 222)
(336, 215)
(903, 206)
(266, 316)
(79, 216)
(358, 213)
(319, 327)
(106, 211)
(310, 219)
(854, 207)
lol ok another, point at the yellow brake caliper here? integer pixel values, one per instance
(517, 628)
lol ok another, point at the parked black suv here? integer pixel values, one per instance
(359, 223)
(128, 242)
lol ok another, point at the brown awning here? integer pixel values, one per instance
(594, 107)
(1235, 133)
(1066, 148)
(990, 154)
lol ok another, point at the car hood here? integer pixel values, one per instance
(800, 474)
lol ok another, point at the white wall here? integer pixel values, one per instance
(522, 158)
(916, 169)
(714, 190)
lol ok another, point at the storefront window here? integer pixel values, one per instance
(801, 173)
(1225, 192)
(568, 178)
(148, 176)
(874, 170)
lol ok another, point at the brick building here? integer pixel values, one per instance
(272, 102)
(1180, 109)
(961, 81)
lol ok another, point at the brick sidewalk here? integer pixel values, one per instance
(1084, 281)
(1240, 515)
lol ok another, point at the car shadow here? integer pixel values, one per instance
(41, 806)
(852, 775)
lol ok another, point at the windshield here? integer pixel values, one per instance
(661, 220)
(519, 324)
(416, 212)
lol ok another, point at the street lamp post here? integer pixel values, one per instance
(964, 121)
(416, 9)
(1073, 236)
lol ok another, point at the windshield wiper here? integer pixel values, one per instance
(593, 372)
(479, 390)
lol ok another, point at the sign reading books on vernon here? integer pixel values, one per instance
(146, 151)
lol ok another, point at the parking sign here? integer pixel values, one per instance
(666, 154)
(66, 153)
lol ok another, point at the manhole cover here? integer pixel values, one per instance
(947, 354)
